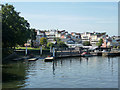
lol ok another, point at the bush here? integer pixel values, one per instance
(49, 44)
(118, 47)
(43, 41)
(114, 46)
(61, 44)
(99, 43)
(86, 43)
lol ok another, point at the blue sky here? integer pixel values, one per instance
(71, 16)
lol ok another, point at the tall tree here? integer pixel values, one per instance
(43, 41)
(32, 36)
(49, 44)
(99, 43)
(15, 29)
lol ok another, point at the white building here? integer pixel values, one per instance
(39, 35)
(85, 36)
(50, 35)
(93, 38)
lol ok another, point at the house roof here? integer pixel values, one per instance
(77, 33)
(62, 31)
(42, 31)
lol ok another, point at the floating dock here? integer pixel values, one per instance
(49, 59)
(32, 59)
(111, 54)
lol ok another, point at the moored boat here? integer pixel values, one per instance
(85, 54)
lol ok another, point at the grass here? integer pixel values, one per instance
(30, 48)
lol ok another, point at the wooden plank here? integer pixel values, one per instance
(49, 58)
(32, 59)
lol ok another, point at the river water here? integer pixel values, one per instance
(77, 72)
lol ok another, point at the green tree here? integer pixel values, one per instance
(86, 43)
(15, 29)
(99, 43)
(43, 41)
(118, 47)
(0, 16)
(57, 39)
(61, 44)
(32, 36)
(49, 44)
(114, 46)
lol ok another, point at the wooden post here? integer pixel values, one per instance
(26, 51)
(41, 50)
(53, 52)
(80, 51)
(53, 68)
(50, 49)
(70, 51)
(61, 52)
(56, 52)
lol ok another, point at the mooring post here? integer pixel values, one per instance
(70, 51)
(26, 51)
(41, 50)
(80, 50)
(53, 52)
(61, 52)
(50, 49)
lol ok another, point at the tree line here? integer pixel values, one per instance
(58, 43)
(16, 31)
(15, 28)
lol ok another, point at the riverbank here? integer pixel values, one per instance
(31, 51)
(29, 48)
(20, 53)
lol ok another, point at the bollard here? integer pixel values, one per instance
(26, 50)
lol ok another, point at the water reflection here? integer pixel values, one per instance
(53, 68)
(80, 72)
(112, 67)
(87, 60)
(14, 75)
(111, 62)
(108, 60)
(80, 60)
